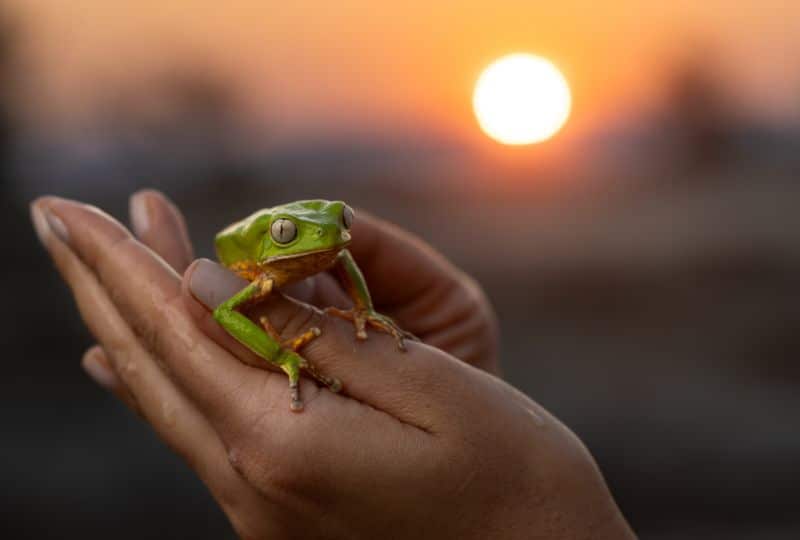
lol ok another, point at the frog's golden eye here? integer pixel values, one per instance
(283, 230)
(347, 217)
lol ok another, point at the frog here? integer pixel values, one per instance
(275, 247)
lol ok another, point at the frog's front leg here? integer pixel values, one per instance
(363, 312)
(297, 343)
(266, 342)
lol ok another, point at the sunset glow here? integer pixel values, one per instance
(367, 70)
(521, 99)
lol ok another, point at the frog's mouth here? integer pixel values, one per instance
(313, 254)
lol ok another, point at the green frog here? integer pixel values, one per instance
(278, 246)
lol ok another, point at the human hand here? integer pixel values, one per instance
(421, 444)
(408, 279)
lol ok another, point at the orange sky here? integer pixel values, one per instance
(312, 67)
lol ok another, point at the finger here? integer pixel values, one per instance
(434, 299)
(172, 415)
(146, 292)
(373, 371)
(384, 251)
(160, 226)
(97, 366)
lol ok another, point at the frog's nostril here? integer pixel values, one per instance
(319, 232)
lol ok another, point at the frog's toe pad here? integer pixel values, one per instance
(387, 325)
(297, 402)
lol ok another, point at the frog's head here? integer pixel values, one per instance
(286, 232)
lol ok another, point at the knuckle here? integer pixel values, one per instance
(104, 260)
(118, 245)
(475, 295)
(277, 460)
(148, 335)
(278, 475)
(283, 479)
(122, 361)
(235, 459)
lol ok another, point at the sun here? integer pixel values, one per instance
(521, 99)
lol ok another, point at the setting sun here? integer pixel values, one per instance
(521, 99)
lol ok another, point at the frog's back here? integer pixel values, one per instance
(239, 243)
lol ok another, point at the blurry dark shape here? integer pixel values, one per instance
(9, 34)
(12, 32)
(206, 117)
(700, 120)
(177, 129)
(189, 101)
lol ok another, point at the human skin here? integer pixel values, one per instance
(424, 444)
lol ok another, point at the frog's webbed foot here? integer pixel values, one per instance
(294, 345)
(362, 317)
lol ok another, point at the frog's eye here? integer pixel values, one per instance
(347, 217)
(283, 230)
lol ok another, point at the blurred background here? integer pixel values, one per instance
(644, 261)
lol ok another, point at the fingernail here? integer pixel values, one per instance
(99, 371)
(140, 214)
(212, 284)
(57, 226)
(39, 223)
